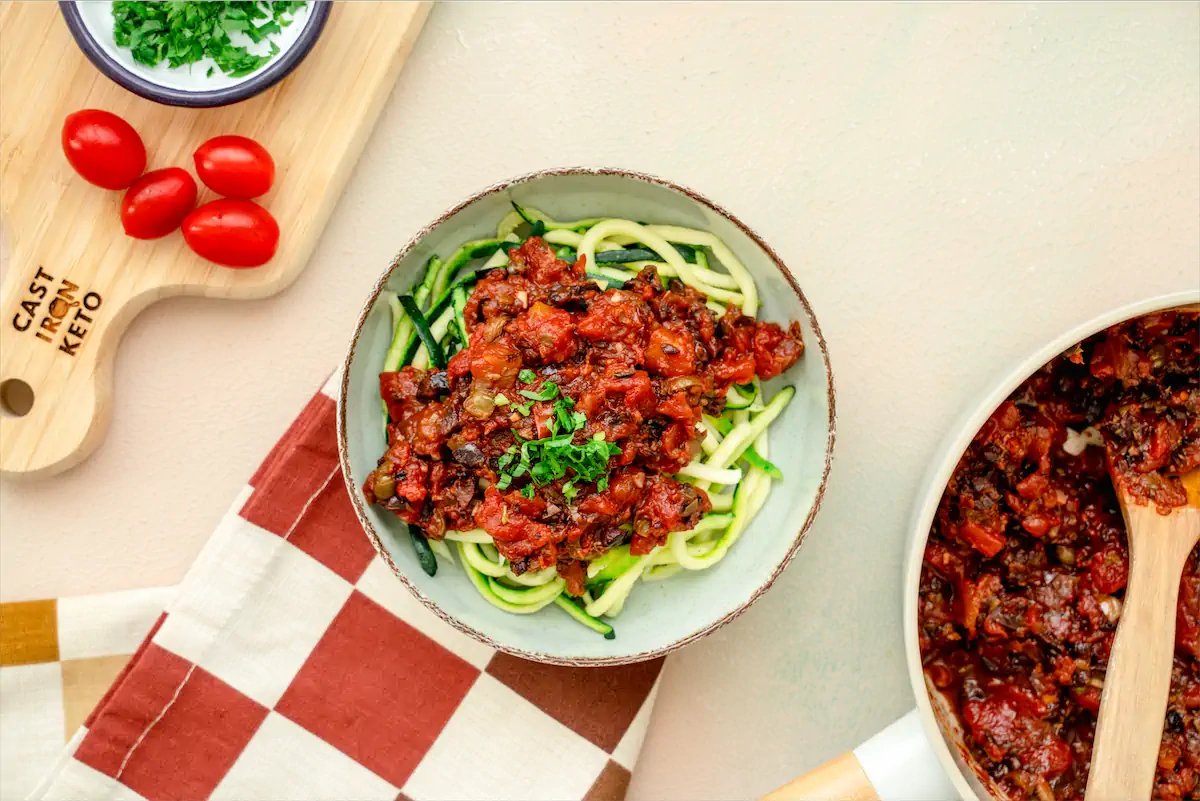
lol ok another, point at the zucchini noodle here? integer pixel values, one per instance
(441, 549)
(713, 474)
(619, 588)
(690, 236)
(475, 558)
(721, 501)
(533, 578)
(711, 278)
(563, 236)
(520, 214)
(733, 448)
(476, 535)
(438, 328)
(532, 595)
(587, 248)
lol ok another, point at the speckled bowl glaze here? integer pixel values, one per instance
(192, 88)
(659, 616)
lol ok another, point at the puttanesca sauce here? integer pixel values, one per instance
(1027, 559)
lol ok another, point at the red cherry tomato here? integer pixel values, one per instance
(157, 202)
(103, 148)
(233, 232)
(235, 166)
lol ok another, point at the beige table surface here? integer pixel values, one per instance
(952, 184)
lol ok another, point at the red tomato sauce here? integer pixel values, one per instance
(642, 363)
(1027, 559)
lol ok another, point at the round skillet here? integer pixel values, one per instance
(924, 755)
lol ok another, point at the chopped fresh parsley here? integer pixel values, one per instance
(183, 33)
(501, 399)
(564, 419)
(527, 376)
(548, 391)
(558, 456)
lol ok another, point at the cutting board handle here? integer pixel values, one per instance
(75, 281)
(60, 326)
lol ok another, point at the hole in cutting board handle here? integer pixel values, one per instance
(16, 397)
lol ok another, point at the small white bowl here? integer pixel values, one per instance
(91, 23)
(659, 616)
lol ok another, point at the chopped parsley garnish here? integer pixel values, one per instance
(564, 419)
(548, 391)
(557, 456)
(183, 33)
(526, 376)
(501, 400)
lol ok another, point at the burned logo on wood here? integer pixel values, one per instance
(64, 317)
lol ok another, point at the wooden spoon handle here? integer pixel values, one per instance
(1138, 680)
(840, 779)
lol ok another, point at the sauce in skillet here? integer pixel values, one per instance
(1027, 559)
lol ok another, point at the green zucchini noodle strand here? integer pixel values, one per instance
(743, 434)
(475, 535)
(619, 588)
(715, 308)
(486, 587)
(587, 247)
(572, 239)
(712, 278)
(474, 556)
(508, 224)
(533, 578)
(690, 236)
(500, 257)
(514, 218)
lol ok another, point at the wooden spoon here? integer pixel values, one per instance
(1138, 681)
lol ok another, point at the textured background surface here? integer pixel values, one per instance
(953, 185)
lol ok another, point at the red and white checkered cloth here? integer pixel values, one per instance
(293, 664)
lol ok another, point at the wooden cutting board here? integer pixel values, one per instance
(74, 280)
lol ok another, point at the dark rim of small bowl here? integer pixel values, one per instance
(538, 656)
(275, 72)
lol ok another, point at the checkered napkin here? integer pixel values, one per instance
(292, 664)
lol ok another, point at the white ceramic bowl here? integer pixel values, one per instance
(659, 616)
(91, 23)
